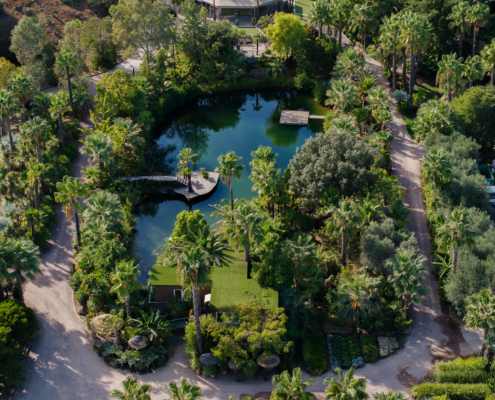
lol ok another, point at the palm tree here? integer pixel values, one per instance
(287, 387)
(341, 10)
(347, 388)
(370, 210)
(265, 176)
(473, 68)
(20, 85)
(225, 210)
(391, 43)
(344, 123)
(229, 169)
(406, 274)
(318, 15)
(436, 168)
(303, 253)
(184, 391)
(488, 56)
(179, 3)
(35, 172)
(104, 208)
(23, 260)
(450, 73)
(364, 86)
(41, 104)
(98, 147)
(186, 157)
(246, 229)
(276, 67)
(477, 16)
(39, 131)
(458, 18)
(9, 106)
(454, 233)
(265, 20)
(378, 98)
(363, 17)
(67, 60)
(124, 280)
(345, 222)
(194, 272)
(59, 106)
(348, 63)
(480, 311)
(133, 390)
(382, 116)
(68, 191)
(152, 325)
(32, 218)
(264, 153)
(355, 302)
(342, 96)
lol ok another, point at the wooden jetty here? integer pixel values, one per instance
(291, 117)
(200, 185)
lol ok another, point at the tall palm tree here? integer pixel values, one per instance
(68, 192)
(480, 311)
(20, 85)
(371, 209)
(436, 168)
(9, 107)
(186, 157)
(246, 229)
(473, 68)
(477, 16)
(362, 18)
(450, 73)
(263, 153)
(355, 302)
(133, 390)
(382, 116)
(39, 131)
(406, 275)
(23, 261)
(103, 208)
(41, 104)
(184, 391)
(35, 172)
(341, 10)
(303, 253)
(364, 85)
(458, 20)
(287, 387)
(194, 272)
(344, 221)
(378, 97)
(318, 14)
(229, 169)
(98, 147)
(32, 218)
(391, 43)
(265, 176)
(349, 63)
(488, 56)
(342, 95)
(124, 280)
(59, 106)
(225, 210)
(454, 233)
(67, 60)
(346, 388)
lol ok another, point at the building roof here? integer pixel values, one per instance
(230, 283)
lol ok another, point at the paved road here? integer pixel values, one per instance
(62, 365)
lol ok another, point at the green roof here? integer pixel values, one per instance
(230, 283)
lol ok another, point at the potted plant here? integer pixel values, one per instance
(210, 371)
(253, 21)
(204, 173)
(196, 365)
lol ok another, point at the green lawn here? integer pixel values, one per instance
(303, 6)
(230, 283)
(248, 30)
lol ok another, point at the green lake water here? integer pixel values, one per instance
(240, 122)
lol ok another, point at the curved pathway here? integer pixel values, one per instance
(62, 365)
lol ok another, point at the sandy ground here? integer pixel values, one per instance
(62, 365)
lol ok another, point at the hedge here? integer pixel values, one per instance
(466, 376)
(314, 354)
(477, 391)
(462, 364)
(369, 347)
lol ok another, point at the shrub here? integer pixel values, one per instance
(462, 364)
(302, 82)
(461, 376)
(82, 296)
(18, 319)
(250, 368)
(313, 353)
(369, 348)
(454, 391)
(319, 91)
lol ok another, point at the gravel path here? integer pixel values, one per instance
(62, 365)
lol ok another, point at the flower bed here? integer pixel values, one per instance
(334, 362)
(347, 351)
(313, 353)
(387, 345)
(369, 348)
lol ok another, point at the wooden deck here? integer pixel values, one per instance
(291, 117)
(200, 185)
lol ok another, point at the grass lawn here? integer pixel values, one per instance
(230, 283)
(248, 30)
(432, 92)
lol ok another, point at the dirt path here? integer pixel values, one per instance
(62, 365)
